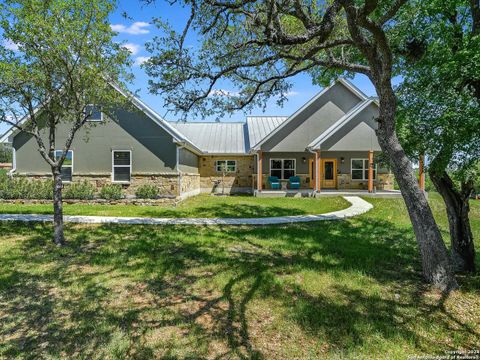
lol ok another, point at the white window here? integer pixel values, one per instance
(282, 168)
(226, 165)
(121, 166)
(96, 114)
(360, 169)
(67, 168)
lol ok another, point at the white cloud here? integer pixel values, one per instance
(140, 60)
(137, 28)
(10, 45)
(223, 92)
(133, 48)
(292, 93)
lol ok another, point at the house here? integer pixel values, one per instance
(329, 143)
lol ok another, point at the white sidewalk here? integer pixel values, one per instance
(359, 206)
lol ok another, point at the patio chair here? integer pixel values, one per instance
(274, 183)
(294, 182)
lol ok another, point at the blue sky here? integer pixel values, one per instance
(137, 30)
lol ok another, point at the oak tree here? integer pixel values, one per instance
(440, 106)
(257, 46)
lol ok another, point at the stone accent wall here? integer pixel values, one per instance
(240, 180)
(167, 201)
(189, 184)
(383, 182)
(167, 183)
(386, 181)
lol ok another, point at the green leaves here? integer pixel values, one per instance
(64, 59)
(439, 112)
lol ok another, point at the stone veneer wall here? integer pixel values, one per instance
(167, 182)
(241, 180)
(189, 184)
(383, 182)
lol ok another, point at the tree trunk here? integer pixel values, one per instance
(436, 264)
(58, 236)
(457, 205)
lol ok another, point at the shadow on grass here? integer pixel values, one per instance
(185, 291)
(226, 211)
(196, 209)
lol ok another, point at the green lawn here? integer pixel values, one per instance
(198, 206)
(344, 289)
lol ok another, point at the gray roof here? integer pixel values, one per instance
(215, 137)
(261, 126)
(229, 137)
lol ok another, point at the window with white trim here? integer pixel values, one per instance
(96, 114)
(282, 168)
(360, 169)
(121, 166)
(228, 166)
(66, 172)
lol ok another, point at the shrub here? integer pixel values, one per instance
(5, 153)
(80, 191)
(111, 192)
(22, 188)
(147, 192)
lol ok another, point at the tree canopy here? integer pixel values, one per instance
(440, 91)
(257, 46)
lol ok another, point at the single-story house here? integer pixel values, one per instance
(329, 143)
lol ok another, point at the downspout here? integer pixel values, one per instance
(14, 162)
(256, 166)
(178, 170)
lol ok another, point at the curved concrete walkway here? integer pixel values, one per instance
(359, 206)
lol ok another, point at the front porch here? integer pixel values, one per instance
(327, 192)
(328, 172)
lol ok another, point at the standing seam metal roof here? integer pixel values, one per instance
(229, 137)
(260, 126)
(220, 138)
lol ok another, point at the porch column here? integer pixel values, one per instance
(318, 163)
(259, 170)
(370, 171)
(421, 172)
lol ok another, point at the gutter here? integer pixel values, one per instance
(179, 147)
(14, 162)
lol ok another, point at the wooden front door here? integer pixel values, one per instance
(329, 173)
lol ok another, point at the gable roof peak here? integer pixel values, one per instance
(345, 82)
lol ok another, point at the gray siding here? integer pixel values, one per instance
(153, 149)
(188, 161)
(357, 135)
(313, 120)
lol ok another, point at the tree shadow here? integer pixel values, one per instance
(199, 291)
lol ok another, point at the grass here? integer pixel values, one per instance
(346, 289)
(198, 206)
